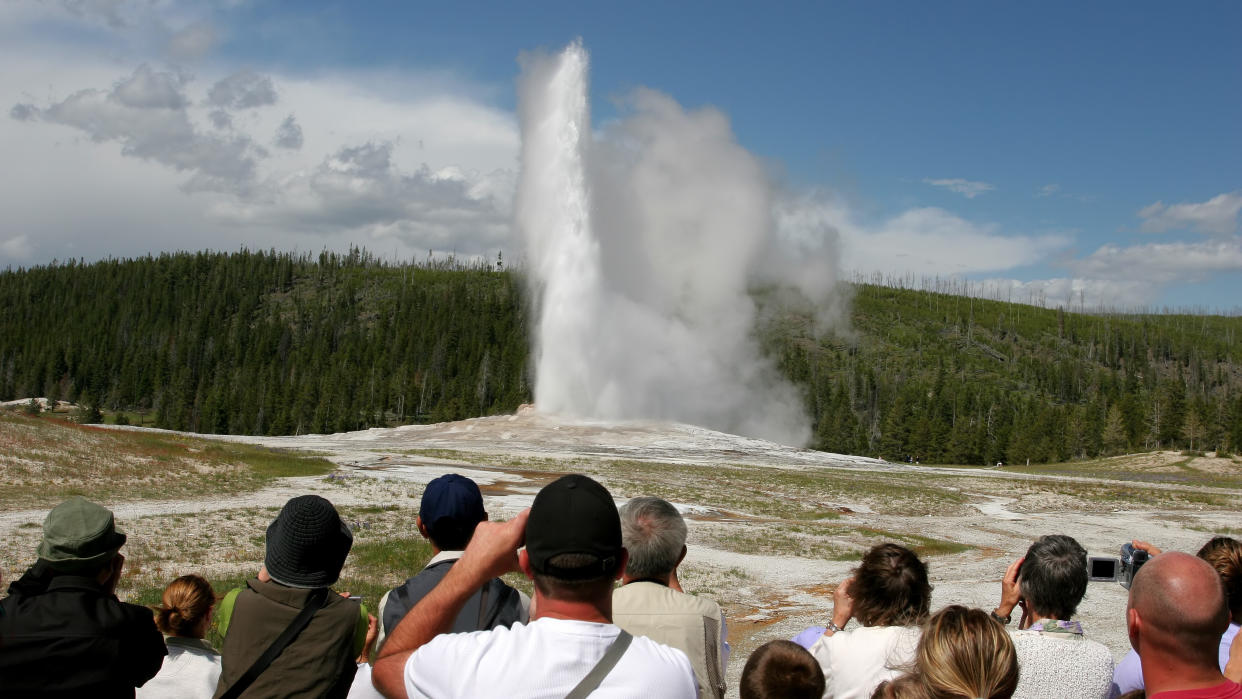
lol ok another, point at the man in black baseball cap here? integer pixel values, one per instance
(574, 555)
(63, 632)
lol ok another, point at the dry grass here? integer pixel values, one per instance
(44, 460)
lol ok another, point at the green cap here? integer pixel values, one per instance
(79, 536)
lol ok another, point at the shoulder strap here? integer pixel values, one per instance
(318, 598)
(605, 665)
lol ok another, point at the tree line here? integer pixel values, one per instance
(264, 342)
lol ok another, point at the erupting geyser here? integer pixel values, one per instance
(641, 243)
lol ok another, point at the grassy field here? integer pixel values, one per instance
(44, 460)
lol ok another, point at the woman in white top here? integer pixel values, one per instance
(889, 595)
(192, 666)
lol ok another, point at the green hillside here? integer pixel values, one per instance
(273, 343)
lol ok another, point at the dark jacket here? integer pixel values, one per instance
(65, 636)
(495, 604)
(320, 662)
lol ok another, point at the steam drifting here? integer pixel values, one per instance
(642, 241)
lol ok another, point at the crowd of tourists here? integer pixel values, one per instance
(607, 618)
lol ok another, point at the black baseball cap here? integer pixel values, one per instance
(574, 515)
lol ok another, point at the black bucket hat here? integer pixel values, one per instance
(307, 543)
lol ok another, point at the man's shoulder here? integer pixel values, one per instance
(639, 597)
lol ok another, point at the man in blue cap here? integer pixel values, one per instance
(451, 508)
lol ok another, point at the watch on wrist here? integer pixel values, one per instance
(1002, 619)
(832, 626)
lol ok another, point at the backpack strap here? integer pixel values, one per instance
(605, 665)
(316, 601)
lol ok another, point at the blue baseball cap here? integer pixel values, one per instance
(452, 497)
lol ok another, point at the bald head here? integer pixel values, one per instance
(1181, 608)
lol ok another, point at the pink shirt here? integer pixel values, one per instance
(1224, 690)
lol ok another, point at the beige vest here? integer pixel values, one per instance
(690, 624)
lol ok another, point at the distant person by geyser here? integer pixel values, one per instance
(192, 668)
(574, 554)
(963, 654)
(650, 601)
(285, 633)
(63, 632)
(1176, 614)
(1055, 658)
(450, 509)
(889, 594)
(1224, 554)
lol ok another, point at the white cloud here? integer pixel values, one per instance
(924, 241)
(966, 188)
(15, 249)
(1048, 190)
(1162, 263)
(1217, 216)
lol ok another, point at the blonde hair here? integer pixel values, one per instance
(963, 653)
(186, 602)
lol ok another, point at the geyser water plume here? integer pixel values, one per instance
(642, 242)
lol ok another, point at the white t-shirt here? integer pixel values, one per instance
(545, 658)
(856, 661)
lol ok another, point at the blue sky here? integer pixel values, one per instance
(1075, 150)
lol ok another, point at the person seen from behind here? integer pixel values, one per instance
(1048, 584)
(285, 633)
(889, 595)
(650, 601)
(192, 667)
(574, 553)
(450, 509)
(781, 670)
(1175, 617)
(962, 654)
(1225, 555)
(63, 632)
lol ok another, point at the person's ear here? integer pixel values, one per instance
(1134, 627)
(422, 528)
(682, 556)
(524, 564)
(621, 564)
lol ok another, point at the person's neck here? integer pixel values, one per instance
(598, 611)
(626, 579)
(1162, 673)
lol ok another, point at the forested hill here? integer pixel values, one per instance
(262, 342)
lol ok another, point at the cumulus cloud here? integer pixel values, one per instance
(146, 113)
(1048, 190)
(1162, 263)
(966, 188)
(289, 134)
(243, 90)
(1216, 216)
(362, 189)
(922, 241)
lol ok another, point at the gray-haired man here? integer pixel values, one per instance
(650, 601)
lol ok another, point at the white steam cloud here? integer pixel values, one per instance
(643, 243)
